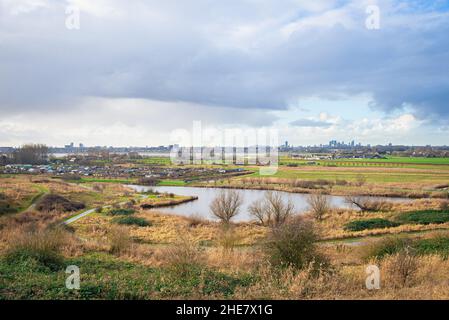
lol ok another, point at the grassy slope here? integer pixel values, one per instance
(106, 277)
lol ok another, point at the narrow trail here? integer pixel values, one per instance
(32, 206)
(79, 216)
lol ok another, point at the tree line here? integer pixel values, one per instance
(27, 154)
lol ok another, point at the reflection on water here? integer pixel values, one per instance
(205, 196)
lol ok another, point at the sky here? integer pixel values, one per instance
(131, 73)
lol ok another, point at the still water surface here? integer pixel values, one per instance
(205, 196)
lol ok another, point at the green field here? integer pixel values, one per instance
(389, 162)
(162, 161)
(172, 183)
(413, 160)
(125, 181)
(371, 176)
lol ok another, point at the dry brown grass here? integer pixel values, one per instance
(183, 243)
(119, 240)
(184, 256)
(165, 229)
(332, 224)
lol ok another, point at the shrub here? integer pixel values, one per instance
(339, 182)
(121, 212)
(323, 182)
(141, 222)
(119, 240)
(393, 245)
(54, 202)
(437, 245)
(130, 204)
(228, 239)
(185, 257)
(304, 184)
(40, 248)
(425, 217)
(360, 180)
(293, 245)
(369, 224)
(196, 220)
(98, 187)
(6, 206)
(388, 246)
(444, 206)
(400, 268)
(319, 204)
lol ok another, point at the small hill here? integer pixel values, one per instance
(53, 202)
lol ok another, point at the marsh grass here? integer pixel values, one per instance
(121, 212)
(425, 217)
(119, 240)
(39, 248)
(185, 257)
(368, 224)
(132, 221)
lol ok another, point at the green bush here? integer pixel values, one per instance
(438, 245)
(6, 208)
(376, 223)
(141, 222)
(121, 212)
(388, 246)
(293, 244)
(393, 245)
(5, 205)
(37, 249)
(425, 217)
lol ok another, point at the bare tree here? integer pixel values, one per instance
(319, 205)
(272, 211)
(366, 204)
(226, 205)
(355, 201)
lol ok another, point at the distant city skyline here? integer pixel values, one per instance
(285, 145)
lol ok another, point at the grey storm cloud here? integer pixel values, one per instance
(196, 53)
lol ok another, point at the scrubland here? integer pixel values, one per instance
(127, 252)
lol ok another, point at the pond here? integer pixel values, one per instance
(205, 196)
